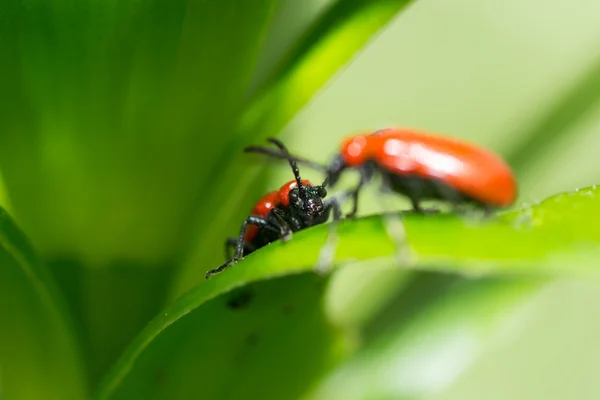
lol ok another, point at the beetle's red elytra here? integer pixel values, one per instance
(471, 170)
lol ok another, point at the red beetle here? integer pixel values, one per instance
(296, 205)
(421, 166)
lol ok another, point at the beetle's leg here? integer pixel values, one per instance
(354, 194)
(365, 176)
(415, 204)
(239, 246)
(488, 211)
(285, 231)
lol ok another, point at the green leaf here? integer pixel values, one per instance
(113, 115)
(329, 43)
(531, 242)
(110, 111)
(39, 354)
(231, 346)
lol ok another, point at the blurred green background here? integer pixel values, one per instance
(122, 124)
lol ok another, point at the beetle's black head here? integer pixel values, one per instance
(307, 201)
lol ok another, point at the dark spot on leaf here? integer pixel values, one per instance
(240, 300)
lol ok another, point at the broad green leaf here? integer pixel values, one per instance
(39, 353)
(113, 116)
(329, 43)
(532, 242)
(112, 305)
(267, 340)
(110, 111)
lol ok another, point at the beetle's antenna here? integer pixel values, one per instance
(293, 164)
